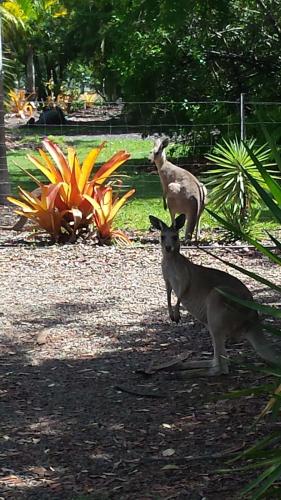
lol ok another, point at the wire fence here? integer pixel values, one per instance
(196, 124)
(193, 126)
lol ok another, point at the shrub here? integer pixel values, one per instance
(73, 202)
(230, 188)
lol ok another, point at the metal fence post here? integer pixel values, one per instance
(242, 117)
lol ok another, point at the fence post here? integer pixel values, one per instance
(242, 117)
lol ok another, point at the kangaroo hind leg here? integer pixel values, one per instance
(208, 367)
(192, 218)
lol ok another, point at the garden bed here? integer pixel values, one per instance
(78, 420)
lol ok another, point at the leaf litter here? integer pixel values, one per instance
(77, 323)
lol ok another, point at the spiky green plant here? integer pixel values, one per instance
(265, 454)
(230, 188)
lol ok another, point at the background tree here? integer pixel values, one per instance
(192, 48)
(4, 174)
(38, 39)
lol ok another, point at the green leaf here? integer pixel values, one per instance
(273, 186)
(272, 439)
(255, 276)
(275, 210)
(270, 141)
(231, 227)
(271, 329)
(275, 241)
(275, 474)
(256, 306)
(262, 389)
(258, 480)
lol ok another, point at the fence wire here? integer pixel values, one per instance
(194, 127)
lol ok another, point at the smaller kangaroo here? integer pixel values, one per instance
(197, 288)
(183, 192)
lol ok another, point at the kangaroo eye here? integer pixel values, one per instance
(175, 238)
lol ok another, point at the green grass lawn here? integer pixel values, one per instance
(139, 150)
(148, 197)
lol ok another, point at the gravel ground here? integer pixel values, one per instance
(77, 322)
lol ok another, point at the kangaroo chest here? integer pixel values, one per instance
(185, 288)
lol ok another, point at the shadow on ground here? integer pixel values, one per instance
(94, 428)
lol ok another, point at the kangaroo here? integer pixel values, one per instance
(182, 192)
(197, 289)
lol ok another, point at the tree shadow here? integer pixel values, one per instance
(71, 427)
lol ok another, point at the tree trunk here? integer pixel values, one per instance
(5, 188)
(30, 71)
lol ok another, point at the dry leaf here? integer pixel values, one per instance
(170, 467)
(42, 338)
(169, 452)
(11, 480)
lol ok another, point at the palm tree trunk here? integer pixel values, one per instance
(5, 188)
(30, 71)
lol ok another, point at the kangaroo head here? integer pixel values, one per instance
(169, 235)
(157, 153)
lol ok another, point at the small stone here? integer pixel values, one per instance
(42, 338)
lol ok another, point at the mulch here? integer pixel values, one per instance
(79, 420)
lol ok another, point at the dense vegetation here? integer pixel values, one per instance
(143, 50)
(160, 51)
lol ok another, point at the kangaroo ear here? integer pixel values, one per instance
(179, 222)
(156, 223)
(157, 148)
(165, 142)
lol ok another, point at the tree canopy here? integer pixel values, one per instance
(161, 50)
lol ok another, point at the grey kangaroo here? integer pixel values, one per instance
(197, 288)
(182, 192)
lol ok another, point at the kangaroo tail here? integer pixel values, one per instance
(263, 347)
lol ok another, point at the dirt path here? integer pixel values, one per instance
(76, 323)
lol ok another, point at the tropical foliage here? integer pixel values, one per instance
(19, 103)
(229, 179)
(75, 198)
(147, 50)
(265, 454)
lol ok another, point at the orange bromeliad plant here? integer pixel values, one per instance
(73, 201)
(106, 207)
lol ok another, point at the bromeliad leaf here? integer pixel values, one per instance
(109, 167)
(105, 210)
(88, 164)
